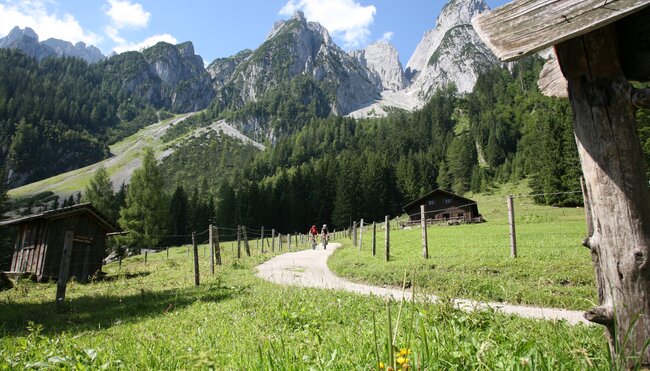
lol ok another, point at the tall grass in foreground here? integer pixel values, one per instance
(152, 317)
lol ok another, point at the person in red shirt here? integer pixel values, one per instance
(313, 232)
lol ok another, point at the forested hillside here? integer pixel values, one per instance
(60, 113)
(336, 168)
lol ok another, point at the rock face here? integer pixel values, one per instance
(382, 59)
(62, 48)
(222, 69)
(183, 77)
(297, 47)
(450, 53)
(27, 41)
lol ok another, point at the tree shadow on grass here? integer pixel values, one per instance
(93, 312)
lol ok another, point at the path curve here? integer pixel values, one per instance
(308, 268)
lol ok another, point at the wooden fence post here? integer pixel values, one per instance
(211, 243)
(297, 241)
(273, 240)
(513, 234)
(262, 238)
(374, 238)
(62, 280)
(289, 241)
(246, 245)
(196, 259)
(423, 223)
(167, 251)
(280, 241)
(387, 239)
(217, 246)
(360, 234)
(354, 233)
(238, 241)
(145, 257)
(120, 263)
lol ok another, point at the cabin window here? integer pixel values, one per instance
(447, 201)
(432, 202)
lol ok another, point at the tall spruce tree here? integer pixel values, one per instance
(99, 193)
(178, 217)
(144, 214)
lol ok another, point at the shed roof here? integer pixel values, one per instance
(437, 190)
(523, 27)
(66, 212)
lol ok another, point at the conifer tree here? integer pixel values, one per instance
(144, 214)
(99, 193)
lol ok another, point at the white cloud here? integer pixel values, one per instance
(346, 19)
(150, 41)
(34, 14)
(125, 14)
(387, 36)
(113, 34)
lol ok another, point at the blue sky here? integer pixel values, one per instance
(219, 28)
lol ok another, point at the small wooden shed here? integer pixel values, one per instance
(600, 46)
(443, 205)
(40, 240)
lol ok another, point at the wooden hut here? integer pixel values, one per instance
(40, 241)
(443, 205)
(600, 46)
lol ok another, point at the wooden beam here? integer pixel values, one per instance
(614, 169)
(523, 27)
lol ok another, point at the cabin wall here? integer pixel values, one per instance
(30, 248)
(442, 206)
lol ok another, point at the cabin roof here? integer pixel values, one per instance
(437, 190)
(523, 27)
(66, 212)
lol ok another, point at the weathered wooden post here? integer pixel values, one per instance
(262, 238)
(511, 222)
(273, 240)
(296, 240)
(145, 257)
(120, 263)
(360, 234)
(196, 259)
(211, 243)
(62, 280)
(247, 247)
(280, 241)
(374, 238)
(599, 47)
(387, 239)
(217, 247)
(238, 241)
(423, 224)
(354, 233)
(289, 241)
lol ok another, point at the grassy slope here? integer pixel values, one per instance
(473, 261)
(125, 154)
(151, 317)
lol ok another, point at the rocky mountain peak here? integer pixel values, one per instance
(454, 13)
(382, 59)
(459, 12)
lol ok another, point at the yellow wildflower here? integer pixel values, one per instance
(404, 351)
(401, 360)
(381, 365)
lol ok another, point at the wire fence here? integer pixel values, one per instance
(86, 260)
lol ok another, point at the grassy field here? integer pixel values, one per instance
(473, 261)
(152, 317)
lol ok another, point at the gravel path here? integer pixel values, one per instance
(308, 268)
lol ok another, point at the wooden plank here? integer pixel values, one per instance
(523, 27)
